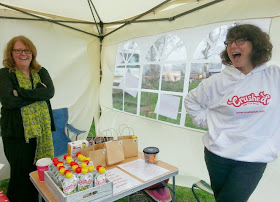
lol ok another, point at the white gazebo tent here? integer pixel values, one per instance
(80, 50)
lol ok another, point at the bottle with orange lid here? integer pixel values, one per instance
(69, 184)
(85, 179)
(100, 177)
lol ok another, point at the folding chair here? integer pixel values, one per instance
(202, 185)
(60, 138)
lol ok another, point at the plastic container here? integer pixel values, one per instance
(42, 166)
(150, 154)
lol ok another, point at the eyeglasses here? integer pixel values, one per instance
(20, 51)
(238, 41)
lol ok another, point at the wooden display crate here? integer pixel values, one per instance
(99, 193)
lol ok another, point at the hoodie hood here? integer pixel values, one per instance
(234, 74)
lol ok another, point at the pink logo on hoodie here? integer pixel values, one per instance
(251, 98)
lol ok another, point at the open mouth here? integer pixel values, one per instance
(236, 55)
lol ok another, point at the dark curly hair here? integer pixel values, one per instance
(262, 47)
(8, 60)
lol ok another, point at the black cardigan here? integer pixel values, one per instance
(11, 120)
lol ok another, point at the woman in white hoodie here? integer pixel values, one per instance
(240, 107)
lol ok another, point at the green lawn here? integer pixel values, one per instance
(4, 185)
(183, 194)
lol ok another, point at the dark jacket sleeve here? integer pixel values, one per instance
(7, 85)
(40, 93)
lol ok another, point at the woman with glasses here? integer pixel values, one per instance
(26, 115)
(240, 107)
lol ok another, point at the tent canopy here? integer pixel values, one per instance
(98, 14)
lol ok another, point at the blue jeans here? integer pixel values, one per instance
(232, 181)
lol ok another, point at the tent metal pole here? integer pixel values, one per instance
(44, 19)
(139, 16)
(101, 37)
(33, 19)
(160, 19)
(95, 10)
(89, 1)
(195, 9)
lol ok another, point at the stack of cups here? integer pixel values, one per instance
(42, 166)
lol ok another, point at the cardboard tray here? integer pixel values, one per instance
(99, 193)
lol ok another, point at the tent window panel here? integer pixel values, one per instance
(206, 51)
(179, 53)
(119, 74)
(171, 120)
(200, 71)
(134, 58)
(130, 102)
(218, 36)
(148, 104)
(212, 45)
(169, 47)
(133, 66)
(151, 55)
(130, 46)
(120, 58)
(151, 76)
(173, 76)
(118, 99)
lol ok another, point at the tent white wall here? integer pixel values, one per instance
(73, 60)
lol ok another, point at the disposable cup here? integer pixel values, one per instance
(42, 166)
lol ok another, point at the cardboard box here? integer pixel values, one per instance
(98, 193)
(74, 147)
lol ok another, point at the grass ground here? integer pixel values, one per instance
(183, 194)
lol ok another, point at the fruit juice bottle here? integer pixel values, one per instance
(61, 176)
(56, 171)
(68, 159)
(85, 180)
(69, 184)
(55, 162)
(88, 161)
(64, 158)
(100, 177)
(52, 167)
(92, 170)
(80, 158)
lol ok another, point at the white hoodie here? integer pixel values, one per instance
(242, 113)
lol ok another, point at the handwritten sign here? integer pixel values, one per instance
(168, 106)
(130, 81)
(121, 180)
(143, 170)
